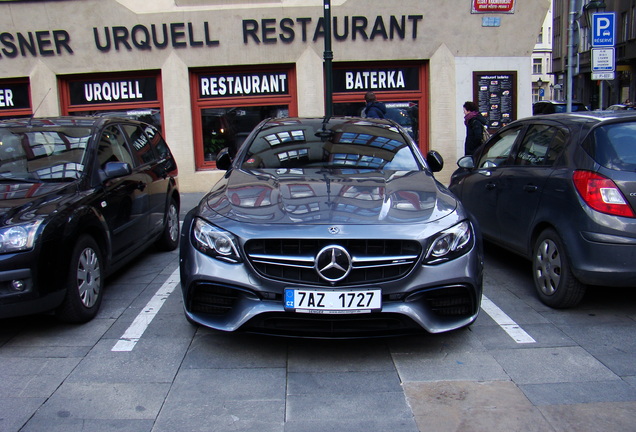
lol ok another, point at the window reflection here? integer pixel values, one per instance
(43, 154)
(353, 144)
(228, 127)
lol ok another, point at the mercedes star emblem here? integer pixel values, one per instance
(333, 263)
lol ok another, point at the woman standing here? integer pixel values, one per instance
(475, 123)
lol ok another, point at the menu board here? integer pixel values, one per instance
(495, 95)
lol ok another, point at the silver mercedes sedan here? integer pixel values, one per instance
(330, 228)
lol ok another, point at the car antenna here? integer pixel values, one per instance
(38, 107)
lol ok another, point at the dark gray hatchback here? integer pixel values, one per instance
(561, 191)
(330, 229)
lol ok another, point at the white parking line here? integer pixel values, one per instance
(505, 322)
(132, 335)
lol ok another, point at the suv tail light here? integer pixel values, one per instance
(602, 194)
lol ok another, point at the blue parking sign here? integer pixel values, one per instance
(603, 29)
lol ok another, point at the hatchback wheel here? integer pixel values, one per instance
(169, 239)
(556, 285)
(84, 284)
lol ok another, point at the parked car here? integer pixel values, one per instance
(551, 107)
(559, 190)
(333, 228)
(79, 198)
(621, 107)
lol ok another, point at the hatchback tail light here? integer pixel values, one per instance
(602, 194)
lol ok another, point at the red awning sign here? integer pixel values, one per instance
(493, 6)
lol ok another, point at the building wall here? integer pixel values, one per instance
(445, 36)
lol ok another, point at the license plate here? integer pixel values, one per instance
(333, 301)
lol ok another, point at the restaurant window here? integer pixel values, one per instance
(229, 103)
(136, 96)
(400, 86)
(15, 98)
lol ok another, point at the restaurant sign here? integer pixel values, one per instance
(493, 6)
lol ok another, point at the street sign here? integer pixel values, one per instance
(596, 76)
(603, 29)
(602, 59)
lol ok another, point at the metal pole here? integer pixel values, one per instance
(328, 57)
(570, 79)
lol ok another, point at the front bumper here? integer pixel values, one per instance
(231, 297)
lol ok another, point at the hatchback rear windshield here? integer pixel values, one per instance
(614, 146)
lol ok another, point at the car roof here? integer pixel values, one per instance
(61, 121)
(557, 102)
(582, 116)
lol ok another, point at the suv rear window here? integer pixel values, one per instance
(614, 146)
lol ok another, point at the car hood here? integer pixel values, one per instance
(321, 196)
(21, 202)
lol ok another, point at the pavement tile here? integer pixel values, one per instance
(62, 424)
(579, 392)
(594, 417)
(225, 399)
(552, 365)
(39, 384)
(339, 356)
(362, 406)
(103, 401)
(478, 366)
(233, 351)
(604, 338)
(462, 340)
(16, 411)
(373, 425)
(222, 385)
(342, 382)
(545, 335)
(57, 334)
(148, 362)
(163, 325)
(467, 406)
(203, 415)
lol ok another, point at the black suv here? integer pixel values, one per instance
(79, 197)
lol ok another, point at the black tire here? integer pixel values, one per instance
(553, 279)
(84, 282)
(169, 239)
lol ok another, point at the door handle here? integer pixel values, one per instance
(530, 188)
(490, 186)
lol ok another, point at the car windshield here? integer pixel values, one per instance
(614, 146)
(35, 154)
(356, 144)
(561, 108)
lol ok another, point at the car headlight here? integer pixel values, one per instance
(19, 237)
(450, 243)
(215, 242)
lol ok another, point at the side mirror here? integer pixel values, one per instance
(435, 161)
(466, 162)
(116, 169)
(223, 159)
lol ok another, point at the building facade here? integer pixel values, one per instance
(542, 77)
(596, 94)
(206, 71)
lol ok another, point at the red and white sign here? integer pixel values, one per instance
(493, 6)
